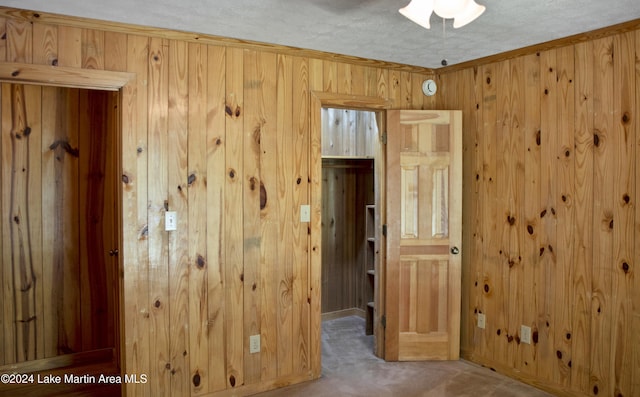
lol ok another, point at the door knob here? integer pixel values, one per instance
(455, 250)
(113, 252)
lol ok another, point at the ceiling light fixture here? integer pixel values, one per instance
(462, 11)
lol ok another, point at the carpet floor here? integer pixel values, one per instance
(349, 368)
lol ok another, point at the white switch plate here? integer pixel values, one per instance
(481, 320)
(305, 213)
(525, 334)
(170, 221)
(254, 344)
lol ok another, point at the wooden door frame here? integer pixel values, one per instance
(90, 79)
(321, 100)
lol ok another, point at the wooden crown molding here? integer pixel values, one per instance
(549, 45)
(86, 23)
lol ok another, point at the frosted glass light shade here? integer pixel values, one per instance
(462, 11)
(450, 8)
(471, 12)
(419, 11)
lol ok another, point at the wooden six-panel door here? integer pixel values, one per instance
(424, 216)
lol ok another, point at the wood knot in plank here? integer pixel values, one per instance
(534, 337)
(54, 62)
(200, 262)
(596, 140)
(511, 220)
(16, 219)
(530, 229)
(625, 267)
(263, 196)
(144, 232)
(559, 354)
(191, 179)
(626, 118)
(626, 198)
(196, 379)
(543, 213)
(64, 144)
(252, 183)
(232, 173)
(125, 179)
(232, 381)
(15, 73)
(27, 131)
(157, 304)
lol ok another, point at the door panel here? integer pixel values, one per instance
(424, 175)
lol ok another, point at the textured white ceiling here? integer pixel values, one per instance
(365, 28)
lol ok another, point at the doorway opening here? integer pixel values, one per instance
(352, 180)
(61, 230)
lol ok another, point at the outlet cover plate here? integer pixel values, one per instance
(482, 320)
(254, 344)
(525, 334)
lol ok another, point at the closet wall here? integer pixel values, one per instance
(59, 221)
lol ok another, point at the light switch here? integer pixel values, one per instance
(305, 213)
(170, 221)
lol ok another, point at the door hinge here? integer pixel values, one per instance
(383, 138)
(383, 321)
(384, 230)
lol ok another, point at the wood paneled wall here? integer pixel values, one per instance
(218, 131)
(551, 219)
(348, 186)
(58, 196)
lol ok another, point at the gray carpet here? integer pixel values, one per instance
(349, 368)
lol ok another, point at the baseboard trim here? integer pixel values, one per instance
(354, 311)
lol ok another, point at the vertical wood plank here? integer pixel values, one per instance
(3, 43)
(234, 190)
(269, 219)
(624, 237)
(505, 211)
(300, 180)
(285, 209)
(69, 46)
(315, 191)
(135, 238)
(516, 208)
(216, 221)
(92, 44)
(330, 76)
(181, 187)
(159, 298)
(583, 204)
(603, 178)
(489, 280)
(19, 39)
(546, 330)
(344, 78)
(115, 51)
(565, 177)
(255, 119)
(198, 212)
(6, 330)
(531, 214)
(635, 299)
(45, 44)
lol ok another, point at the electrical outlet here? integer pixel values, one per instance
(525, 334)
(481, 320)
(254, 344)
